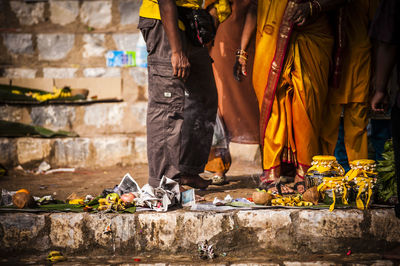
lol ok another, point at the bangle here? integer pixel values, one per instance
(243, 57)
(310, 9)
(242, 54)
(317, 4)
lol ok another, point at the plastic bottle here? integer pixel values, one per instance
(141, 52)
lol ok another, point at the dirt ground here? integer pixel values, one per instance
(242, 180)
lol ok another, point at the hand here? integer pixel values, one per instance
(180, 65)
(301, 14)
(240, 68)
(379, 101)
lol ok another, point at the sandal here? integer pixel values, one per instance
(218, 180)
(267, 186)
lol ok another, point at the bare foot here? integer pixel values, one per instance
(194, 181)
(299, 184)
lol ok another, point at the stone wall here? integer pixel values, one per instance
(69, 39)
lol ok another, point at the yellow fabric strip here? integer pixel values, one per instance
(150, 9)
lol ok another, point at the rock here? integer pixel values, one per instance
(126, 41)
(141, 149)
(59, 73)
(32, 149)
(71, 152)
(97, 72)
(63, 12)
(94, 45)
(96, 14)
(8, 151)
(19, 43)
(140, 75)
(129, 11)
(54, 46)
(28, 14)
(19, 73)
(54, 117)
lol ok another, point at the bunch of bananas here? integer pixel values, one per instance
(55, 256)
(290, 201)
(58, 93)
(111, 202)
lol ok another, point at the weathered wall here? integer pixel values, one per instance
(68, 39)
(280, 231)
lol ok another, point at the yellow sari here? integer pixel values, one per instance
(290, 78)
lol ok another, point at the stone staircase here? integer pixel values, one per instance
(109, 134)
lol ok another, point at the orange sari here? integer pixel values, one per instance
(290, 78)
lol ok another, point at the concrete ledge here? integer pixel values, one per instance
(100, 151)
(179, 232)
(86, 120)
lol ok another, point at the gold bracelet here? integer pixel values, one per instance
(242, 54)
(243, 57)
(310, 8)
(318, 4)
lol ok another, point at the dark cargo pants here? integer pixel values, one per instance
(180, 115)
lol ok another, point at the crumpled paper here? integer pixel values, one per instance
(159, 199)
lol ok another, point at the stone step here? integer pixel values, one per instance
(95, 151)
(239, 233)
(86, 120)
(100, 151)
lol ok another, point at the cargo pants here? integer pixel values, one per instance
(180, 115)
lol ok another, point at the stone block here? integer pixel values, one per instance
(129, 11)
(14, 114)
(310, 263)
(20, 73)
(97, 72)
(141, 150)
(140, 75)
(139, 111)
(32, 149)
(71, 152)
(337, 224)
(112, 151)
(54, 46)
(124, 230)
(96, 225)
(18, 43)
(157, 228)
(381, 224)
(94, 45)
(96, 14)
(102, 115)
(25, 230)
(63, 12)
(8, 151)
(271, 230)
(126, 41)
(28, 14)
(54, 117)
(58, 73)
(67, 230)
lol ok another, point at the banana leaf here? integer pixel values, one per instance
(15, 129)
